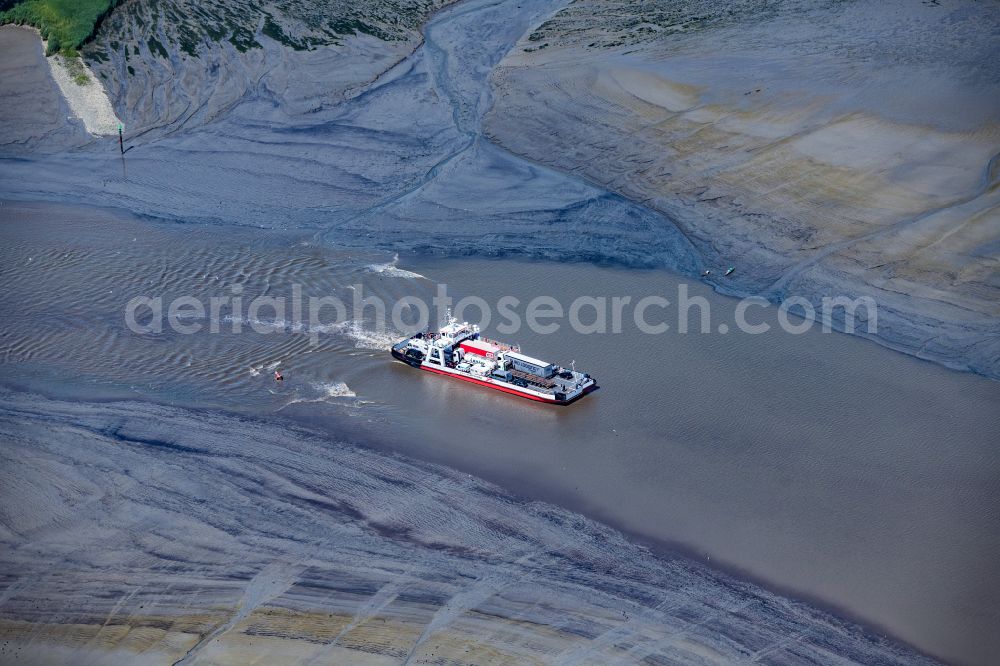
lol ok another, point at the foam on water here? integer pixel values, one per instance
(331, 392)
(365, 336)
(336, 390)
(255, 369)
(391, 269)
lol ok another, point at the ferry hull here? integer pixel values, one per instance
(512, 391)
(433, 352)
(403, 358)
(400, 356)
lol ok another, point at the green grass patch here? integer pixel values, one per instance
(76, 70)
(65, 24)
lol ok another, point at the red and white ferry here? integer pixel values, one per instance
(457, 350)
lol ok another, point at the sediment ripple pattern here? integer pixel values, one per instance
(69, 276)
(134, 533)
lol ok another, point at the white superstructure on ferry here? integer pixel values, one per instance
(458, 351)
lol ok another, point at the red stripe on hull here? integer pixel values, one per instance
(495, 387)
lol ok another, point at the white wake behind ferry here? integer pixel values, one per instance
(458, 351)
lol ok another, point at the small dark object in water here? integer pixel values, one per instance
(731, 269)
(278, 377)
(706, 273)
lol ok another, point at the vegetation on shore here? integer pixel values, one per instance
(64, 24)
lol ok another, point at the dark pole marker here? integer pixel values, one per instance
(121, 143)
